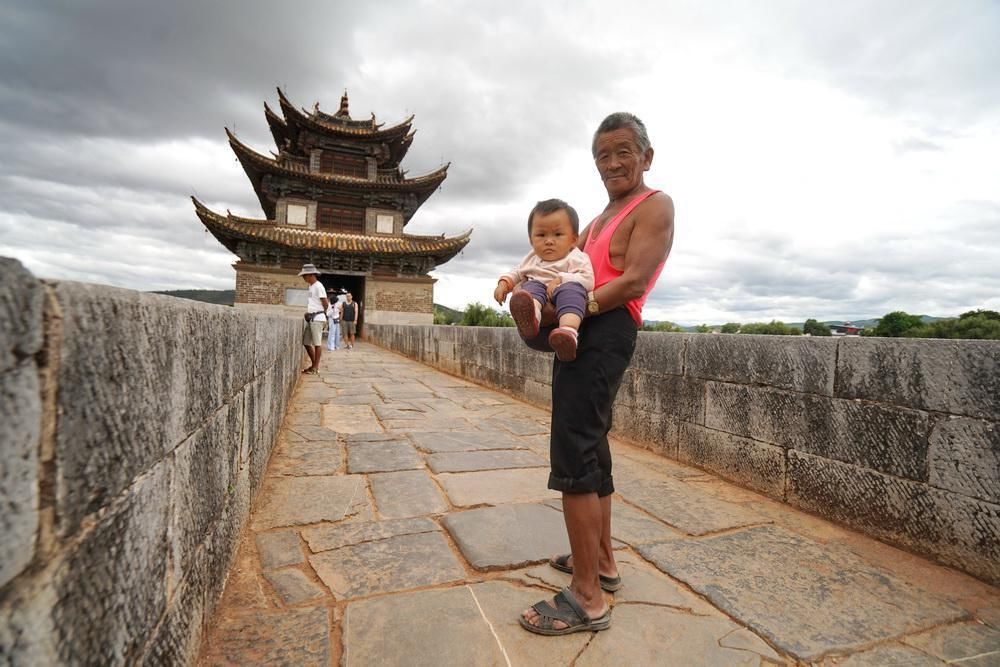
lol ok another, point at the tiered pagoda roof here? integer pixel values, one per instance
(347, 167)
(258, 166)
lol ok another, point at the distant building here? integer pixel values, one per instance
(845, 329)
(334, 195)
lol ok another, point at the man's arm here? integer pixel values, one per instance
(650, 243)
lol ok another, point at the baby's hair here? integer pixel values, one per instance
(551, 206)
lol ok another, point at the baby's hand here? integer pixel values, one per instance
(500, 293)
(551, 286)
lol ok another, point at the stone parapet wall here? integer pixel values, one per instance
(134, 434)
(897, 438)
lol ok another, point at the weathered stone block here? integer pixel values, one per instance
(27, 622)
(178, 633)
(20, 425)
(660, 353)
(953, 528)
(756, 465)
(113, 588)
(680, 397)
(957, 377)
(880, 437)
(790, 362)
(965, 457)
(22, 299)
(203, 476)
(656, 429)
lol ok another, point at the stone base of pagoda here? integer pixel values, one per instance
(385, 299)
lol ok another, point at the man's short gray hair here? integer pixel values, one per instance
(617, 121)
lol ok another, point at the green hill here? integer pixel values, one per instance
(223, 297)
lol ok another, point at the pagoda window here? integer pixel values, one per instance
(296, 214)
(351, 165)
(383, 224)
(326, 162)
(339, 219)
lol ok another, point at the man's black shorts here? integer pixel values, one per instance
(583, 392)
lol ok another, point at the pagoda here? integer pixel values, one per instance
(334, 195)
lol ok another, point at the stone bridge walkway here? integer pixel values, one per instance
(404, 520)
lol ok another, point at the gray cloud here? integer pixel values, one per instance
(112, 115)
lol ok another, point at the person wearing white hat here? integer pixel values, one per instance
(315, 317)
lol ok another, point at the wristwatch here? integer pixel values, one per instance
(592, 307)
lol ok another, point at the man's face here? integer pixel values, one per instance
(349, 297)
(310, 278)
(620, 162)
(552, 235)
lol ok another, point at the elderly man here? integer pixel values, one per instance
(316, 305)
(628, 244)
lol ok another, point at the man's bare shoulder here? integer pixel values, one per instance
(659, 207)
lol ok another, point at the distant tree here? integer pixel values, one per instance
(988, 314)
(975, 324)
(772, 328)
(896, 324)
(668, 327)
(814, 328)
(440, 318)
(703, 328)
(478, 315)
(730, 327)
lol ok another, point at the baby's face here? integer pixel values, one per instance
(552, 235)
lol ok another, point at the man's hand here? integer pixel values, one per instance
(501, 292)
(551, 286)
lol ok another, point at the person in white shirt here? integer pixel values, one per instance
(315, 317)
(333, 316)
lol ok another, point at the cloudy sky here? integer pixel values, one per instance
(829, 160)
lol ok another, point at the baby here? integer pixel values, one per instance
(555, 269)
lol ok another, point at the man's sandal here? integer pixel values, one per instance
(568, 611)
(609, 584)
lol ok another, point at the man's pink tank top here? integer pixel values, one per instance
(599, 250)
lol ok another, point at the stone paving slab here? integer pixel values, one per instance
(385, 456)
(807, 599)
(684, 506)
(306, 458)
(435, 423)
(889, 655)
(399, 411)
(654, 636)
(279, 549)
(399, 495)
(394, 564)
(497, 487)
(278, 637)
(501, 603)
(318, 433)
(634, 527)
(350, 419)
(293, 586)
(439, 627)
(463, 441)
(295, 501)
(325, 538)
(497, 459)
(516, 425)
(969, 644)
(508, 536)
